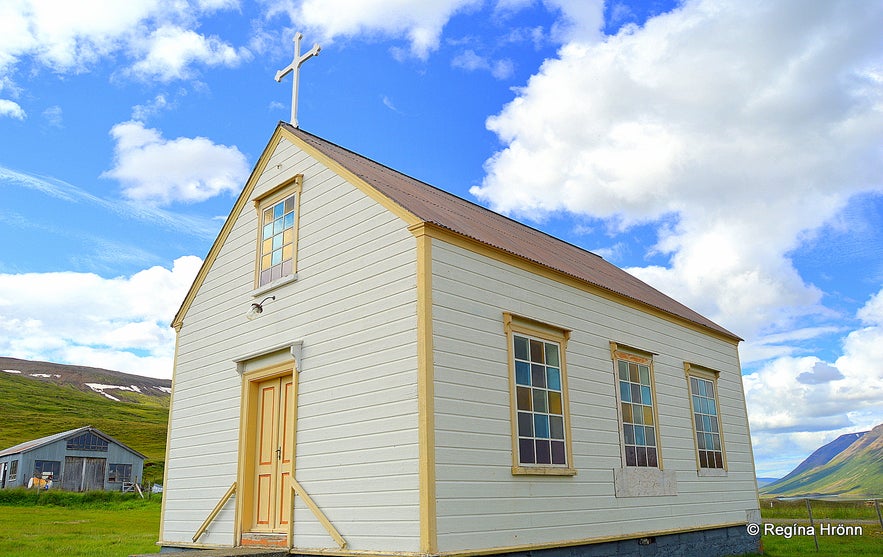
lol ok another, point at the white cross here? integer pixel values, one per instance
(295, 67)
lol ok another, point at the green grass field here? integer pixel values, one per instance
(94, 524)
(856, 530)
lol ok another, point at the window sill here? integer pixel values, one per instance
(538, 471)
(278, 283)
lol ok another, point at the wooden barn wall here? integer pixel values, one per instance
(354, 308)
(480, 502)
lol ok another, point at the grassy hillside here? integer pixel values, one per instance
(856, 471)
(33, 409)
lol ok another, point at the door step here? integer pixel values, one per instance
(264, 540)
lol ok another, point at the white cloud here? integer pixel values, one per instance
(73, 36)
(119, 323)
(54, 116)
(163, 171)
(11, 109)
(419, 22)
(797, 404)
(745, 124)
(171, 52)
(470, 61)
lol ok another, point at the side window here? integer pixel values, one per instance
(119, 473)
(47, 469)
(278, 216)
(706, 417)
(541, 439)
(13, 470)
(636, 396)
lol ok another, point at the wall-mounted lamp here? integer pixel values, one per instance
(258, 308)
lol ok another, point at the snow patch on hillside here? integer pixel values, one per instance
(99, 388)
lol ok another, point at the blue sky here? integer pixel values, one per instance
(727, 152)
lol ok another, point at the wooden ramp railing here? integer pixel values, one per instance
(317, 512)
(215, 512)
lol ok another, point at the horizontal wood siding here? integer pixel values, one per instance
(480, 503)
(354, 308)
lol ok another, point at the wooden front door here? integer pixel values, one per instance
(272, 456)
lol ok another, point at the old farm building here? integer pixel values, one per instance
(368, 365)
(81, 459)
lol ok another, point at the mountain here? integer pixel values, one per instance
(765, 481)
(852, 464)
(43, 398)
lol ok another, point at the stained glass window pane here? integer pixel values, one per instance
(544, 455)
(626, 412)
(541, 426)
(555, 403)
(559, 454)
(522, 373)
(556, 427)
(524, 398)
(539, 401)
(623, 370)
(526, 453)
(552, 355)
(525, 424)
(538, 375)
(521, 348)
(634, 376)
(554, 378)
(536, 351)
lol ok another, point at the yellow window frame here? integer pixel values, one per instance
(700, 372)
(620, 352)
(517, 325)
(292, 186)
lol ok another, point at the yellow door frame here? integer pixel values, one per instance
(247, 443)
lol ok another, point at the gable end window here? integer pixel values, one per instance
(706, 418)
(87, 442)
(278, 216)
(541, 441)
(636, 396)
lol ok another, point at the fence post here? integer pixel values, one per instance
(879, 517)
(815, 536)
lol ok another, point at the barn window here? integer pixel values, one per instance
(635, 394)
(87, 442)
(278, 214)
(706, 418)
(47, 468)
(539, 406)
(13, 470)
(119, 473)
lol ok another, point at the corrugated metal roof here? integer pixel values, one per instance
(42, 441)
(438, 207)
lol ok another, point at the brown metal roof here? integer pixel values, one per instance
(438, 207)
